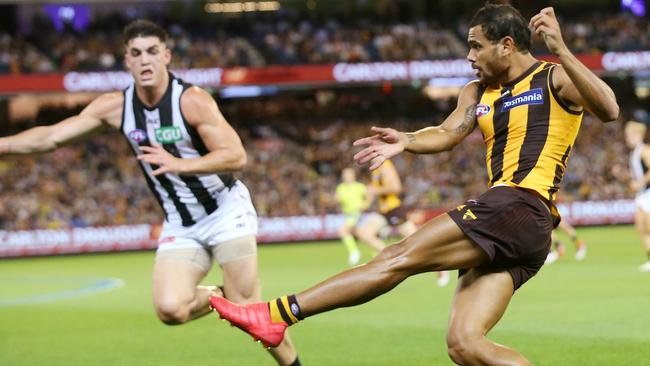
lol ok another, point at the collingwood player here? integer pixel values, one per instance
(187, 151)
(635, 132)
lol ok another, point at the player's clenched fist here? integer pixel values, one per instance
(546, 26)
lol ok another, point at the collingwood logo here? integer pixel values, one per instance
(533, 96)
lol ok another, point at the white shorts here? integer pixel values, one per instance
(642, 201)
(234, 218)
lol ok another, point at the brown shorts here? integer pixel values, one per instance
(512, 226)
(396, 216)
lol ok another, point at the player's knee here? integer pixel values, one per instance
(397, 261)
(171, 311)
(402, 258)
(392, 252)
(462, 348)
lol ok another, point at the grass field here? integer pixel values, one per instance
(591, 313)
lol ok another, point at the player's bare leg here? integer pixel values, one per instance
(438, 245)
(481, 299)
(176, 295)
(241, 285)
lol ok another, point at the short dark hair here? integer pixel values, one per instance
(501, 20)
(143, 28)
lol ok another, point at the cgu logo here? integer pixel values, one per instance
(137, 136)
(482, 110)
(168, 135)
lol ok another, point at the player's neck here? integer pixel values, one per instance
(520, 63)
(151, 95)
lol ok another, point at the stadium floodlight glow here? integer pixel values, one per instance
(637, 7)
(241, 7)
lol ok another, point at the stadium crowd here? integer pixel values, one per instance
(287, 40)
(293, 167)
(296, 146)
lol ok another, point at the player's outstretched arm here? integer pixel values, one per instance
(226, 150)
(452, 130)
(573, 81)
(388, 142)
(106, 109)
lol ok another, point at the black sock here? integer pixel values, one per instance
(296, 362)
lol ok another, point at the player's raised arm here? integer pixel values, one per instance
(226, 150)
(102, 111)
(573, 81)
(388, 142)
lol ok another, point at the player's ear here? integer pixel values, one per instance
(506, 46)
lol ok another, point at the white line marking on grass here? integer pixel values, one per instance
(100, 285)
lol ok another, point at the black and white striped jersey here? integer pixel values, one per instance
(185, 199)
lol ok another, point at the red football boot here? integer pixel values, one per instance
(254, 319)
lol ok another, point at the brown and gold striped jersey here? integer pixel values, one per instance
(528, 130)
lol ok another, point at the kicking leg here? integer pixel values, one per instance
(176, 295)
(480, 301)
(438, 245)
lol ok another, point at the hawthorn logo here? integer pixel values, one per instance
(469, 215)
(168, 135)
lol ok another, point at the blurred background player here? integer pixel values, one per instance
(386, 188)
(352, 196)
(187, 158)
(559, 249)
(635, 132)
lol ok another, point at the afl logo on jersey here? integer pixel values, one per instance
(482, 110)
(137, 136)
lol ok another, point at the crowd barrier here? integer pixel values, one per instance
(271, 230)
